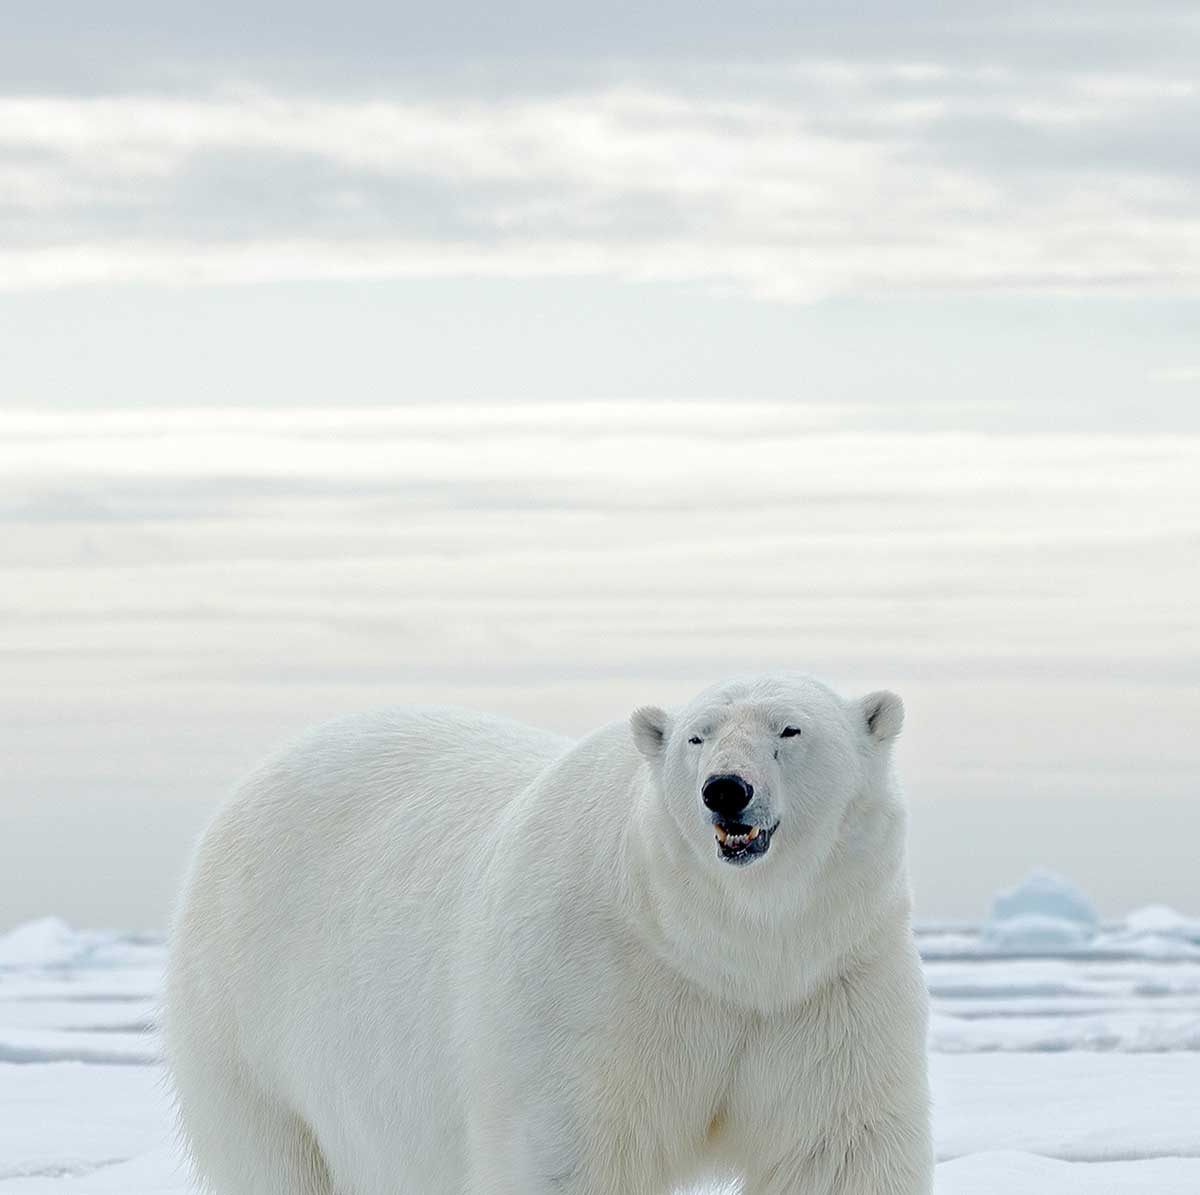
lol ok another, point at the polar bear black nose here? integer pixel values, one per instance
(726, 794)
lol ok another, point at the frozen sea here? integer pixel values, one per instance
(1065, 1055)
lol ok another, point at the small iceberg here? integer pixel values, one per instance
(1043, 914)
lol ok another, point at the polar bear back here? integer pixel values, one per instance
(283, 943)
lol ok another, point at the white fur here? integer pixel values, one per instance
(429, 952)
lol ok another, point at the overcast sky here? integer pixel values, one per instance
(916, 289)
(684, 200)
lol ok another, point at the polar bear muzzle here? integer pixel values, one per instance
(727, 795)
(739, 844)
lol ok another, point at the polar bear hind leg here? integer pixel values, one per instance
(243, 1142)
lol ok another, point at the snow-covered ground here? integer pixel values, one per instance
(1065, 1055)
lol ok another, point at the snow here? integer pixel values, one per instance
(1131, 1004)
(43, 943)
(1158, 919)
(1068, 1069)
(49, 944)
(1078, 1106)
(1026, 1174)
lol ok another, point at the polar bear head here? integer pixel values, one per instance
(769, 765)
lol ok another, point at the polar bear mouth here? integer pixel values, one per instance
(738, 843)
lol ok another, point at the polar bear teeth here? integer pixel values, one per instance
(727, 839)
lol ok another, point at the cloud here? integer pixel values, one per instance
(1180, 376)
(786, 182)
(373, 42)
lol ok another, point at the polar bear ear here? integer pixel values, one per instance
(650, 726)
(883, 713)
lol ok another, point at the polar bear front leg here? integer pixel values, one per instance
(547, 1148)
(834, 1100)
(880, 1159)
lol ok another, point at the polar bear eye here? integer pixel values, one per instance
(789, 732)
(695, 740)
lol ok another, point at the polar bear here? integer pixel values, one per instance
(431, 952)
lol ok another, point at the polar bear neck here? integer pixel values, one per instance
(763, 937)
